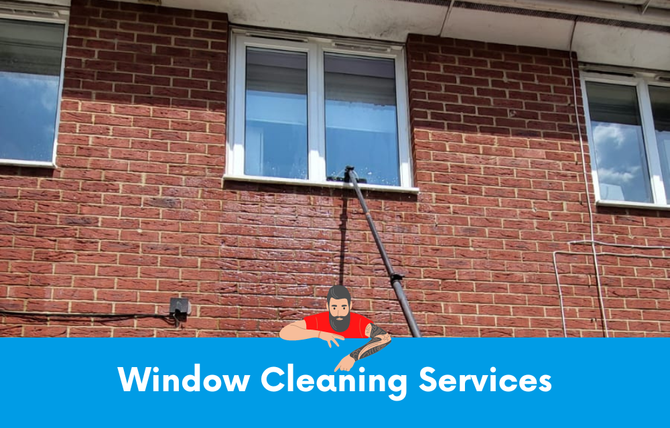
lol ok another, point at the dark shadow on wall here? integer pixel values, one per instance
(22, 171)
(343, 239)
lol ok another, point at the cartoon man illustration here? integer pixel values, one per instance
(339, 323)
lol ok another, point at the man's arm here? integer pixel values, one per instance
(298, 331)
(378, 340)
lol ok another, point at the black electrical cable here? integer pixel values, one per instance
(167, 318)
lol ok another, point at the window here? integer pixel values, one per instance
(304, 108)
(629, 128)
(31, 57)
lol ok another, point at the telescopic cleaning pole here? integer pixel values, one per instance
(351, 177)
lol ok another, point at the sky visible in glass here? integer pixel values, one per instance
(30, 68)
(660, 106)
(622, 166)
(623, 173)
(28, 106)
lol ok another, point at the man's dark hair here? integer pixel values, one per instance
(338, 292)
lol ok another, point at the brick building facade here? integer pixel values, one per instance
(137, 210)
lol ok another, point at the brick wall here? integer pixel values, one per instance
(131, 215)
(137, 211)
(498, 157)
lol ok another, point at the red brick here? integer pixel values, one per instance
(43, 331)
(137, 212)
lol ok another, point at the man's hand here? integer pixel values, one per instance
(298, 331)
(330, 336)
(346, 364)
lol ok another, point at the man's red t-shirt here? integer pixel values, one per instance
(356, 330)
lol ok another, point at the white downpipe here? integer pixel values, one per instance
(596, 266)
(593, 242)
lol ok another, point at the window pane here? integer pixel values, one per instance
(660, 107)
(276, 114)
(620, 156)
(361, 118)
(30, 64)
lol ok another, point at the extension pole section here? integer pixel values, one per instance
(350, 176)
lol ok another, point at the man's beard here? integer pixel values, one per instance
(339, 325)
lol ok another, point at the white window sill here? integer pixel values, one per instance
(637, 205)
(34, 164)
(331, 184)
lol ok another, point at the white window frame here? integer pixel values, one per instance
(641, 81)
(54, 15)
(315, 48)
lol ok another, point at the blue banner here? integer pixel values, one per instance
(412, 382)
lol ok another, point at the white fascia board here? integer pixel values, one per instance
(591, 8)
(65, 3)
(370, 19)
(385, 19)
(508, 29)
(626, 47)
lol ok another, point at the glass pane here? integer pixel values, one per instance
(276, 114)
(620, 156)
(660, 107)
(361, 118)
(30, 64)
